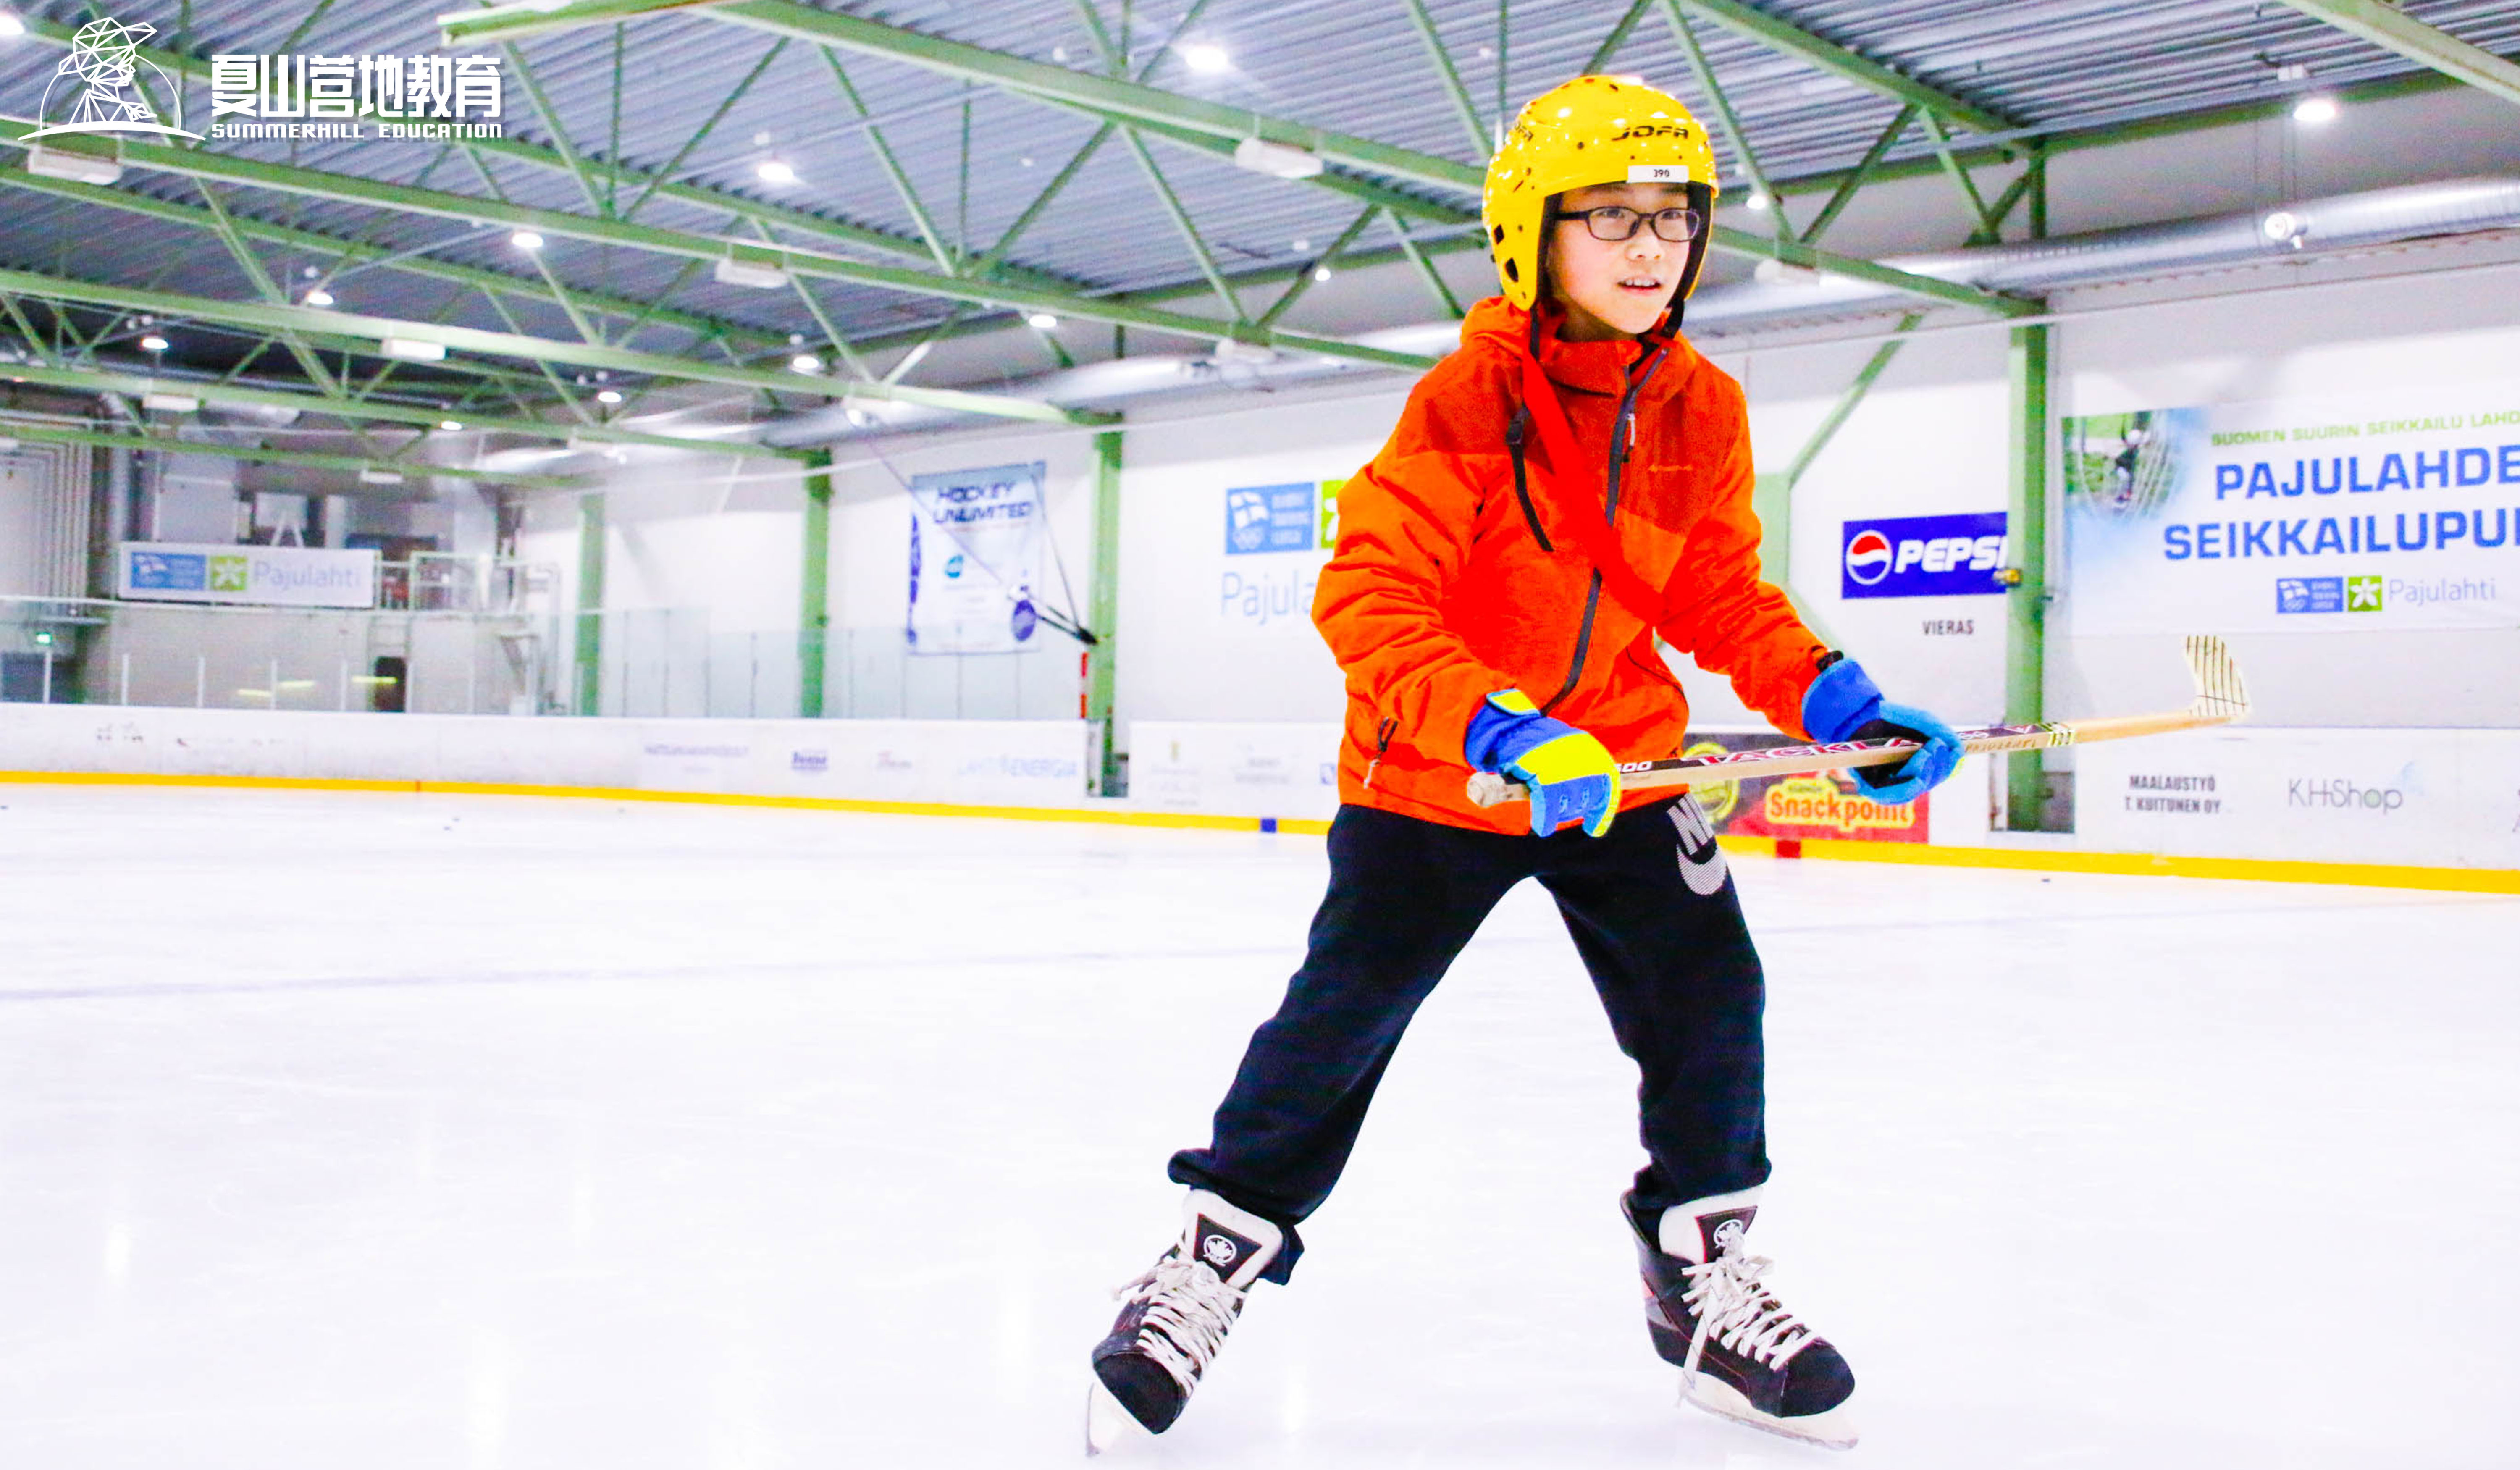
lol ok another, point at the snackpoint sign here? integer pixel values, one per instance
(277, 576)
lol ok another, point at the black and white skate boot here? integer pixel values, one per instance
(1174, 1318)
(1741, 1354)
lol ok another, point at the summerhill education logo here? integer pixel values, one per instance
(100, 86)
(438, 96)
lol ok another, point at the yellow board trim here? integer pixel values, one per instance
(2149, 864)
(1202, 821)
(2037, 860)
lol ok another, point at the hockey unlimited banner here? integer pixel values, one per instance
(2399, 511)
(974, 551)
(268, 576)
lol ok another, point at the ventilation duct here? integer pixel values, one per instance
(2355, 221)
(1108, 384)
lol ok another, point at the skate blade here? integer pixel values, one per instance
(1110, 1427)
(1832, 1430)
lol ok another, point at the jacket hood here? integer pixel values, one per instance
(1497, 325)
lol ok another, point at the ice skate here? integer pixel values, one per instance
(1741, 1354)
(1173, 1319)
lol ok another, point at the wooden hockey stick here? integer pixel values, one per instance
(2220, 699)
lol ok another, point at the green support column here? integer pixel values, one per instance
(2025, 670)
(814, 616)
(590, 604)
(1771, 494)
(1771, 500)
(1102, 614)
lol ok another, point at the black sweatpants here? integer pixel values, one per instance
(1652, 911)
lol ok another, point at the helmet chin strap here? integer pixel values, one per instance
(1703, 199)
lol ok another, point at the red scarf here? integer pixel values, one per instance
(1574, 471)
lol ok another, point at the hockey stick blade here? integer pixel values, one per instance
(2220, 698)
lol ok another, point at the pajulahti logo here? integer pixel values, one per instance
(105, 95)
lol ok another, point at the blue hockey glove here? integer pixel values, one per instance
(1571, 775)
(1844, 705)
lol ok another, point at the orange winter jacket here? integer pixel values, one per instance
(1447, 585)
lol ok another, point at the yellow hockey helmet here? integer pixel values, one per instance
(1592, 130)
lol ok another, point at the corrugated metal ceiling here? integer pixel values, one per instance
(978, 155)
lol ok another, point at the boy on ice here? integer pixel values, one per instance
(1571, 484)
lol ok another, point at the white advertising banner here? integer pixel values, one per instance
(1276, 539)
(974, 557)
(2388, 512)
(1235, 770)
(2432, 798)
(962, 762)
(272, 576)
(1035, 763)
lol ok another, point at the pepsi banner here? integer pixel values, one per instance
(2385, 511)
(1922, 557)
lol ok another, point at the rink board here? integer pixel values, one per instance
(1016, 763)
(2399, 807)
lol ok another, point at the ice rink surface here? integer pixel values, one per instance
(401, 1132)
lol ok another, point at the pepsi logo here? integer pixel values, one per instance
(1867, 557)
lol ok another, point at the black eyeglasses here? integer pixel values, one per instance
(1616, 222)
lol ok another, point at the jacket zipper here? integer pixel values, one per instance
(1621, 431)
(1513, 433)
(1382, 744)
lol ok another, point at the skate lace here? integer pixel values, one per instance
(1736, 1312)
(1188, 1311)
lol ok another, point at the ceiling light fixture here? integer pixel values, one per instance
(171, 403)
(751, 274)
(1758, 200)
(525, 240)
(1278, 160)
(2315, 110)
(412, 349)
(1041, 321)
(608, 395)
(1202, 56)
(775, 172)
(153, 342)
(805, 362)
(77, 168)
(379, 477)
(11, 27)
(451, 425)
(319, 297)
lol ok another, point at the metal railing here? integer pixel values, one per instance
(442, 652)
